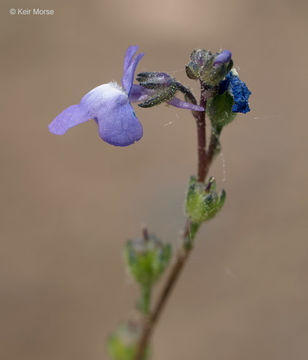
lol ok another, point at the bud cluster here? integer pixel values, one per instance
(207, 67)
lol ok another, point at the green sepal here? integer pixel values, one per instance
(162, 95)
(155, 80)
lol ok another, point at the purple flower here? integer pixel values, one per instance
(110, 106)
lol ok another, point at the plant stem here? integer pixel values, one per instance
(201, 130)
(214, 143)
(145, 300)
(162, 299)
(204, 160)
(145, 233)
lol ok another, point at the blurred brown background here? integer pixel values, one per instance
(69, 203)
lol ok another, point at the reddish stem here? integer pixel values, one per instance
(201, 130)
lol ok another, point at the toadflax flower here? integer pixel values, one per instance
(110, 106)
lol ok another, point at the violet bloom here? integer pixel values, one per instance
(109, 105)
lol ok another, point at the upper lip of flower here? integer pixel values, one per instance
(130, 64)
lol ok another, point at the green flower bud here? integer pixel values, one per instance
(219, 110)
(122, 344)
(199, 61)
(204, 66)
(147, 258)
(202, 200)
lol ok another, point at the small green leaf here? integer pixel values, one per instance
(219, 110)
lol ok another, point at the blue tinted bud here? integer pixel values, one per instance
(240, 93)
(238, 90)
(232, 98)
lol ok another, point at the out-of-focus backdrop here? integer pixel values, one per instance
(68, 203)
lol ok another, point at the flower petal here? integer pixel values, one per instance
(130, 52)
(222, 58)
(108, 95)
(129, 73)
(72, 116)
(240, 93)
(184, 105)
(118, 125)
(238, 90)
